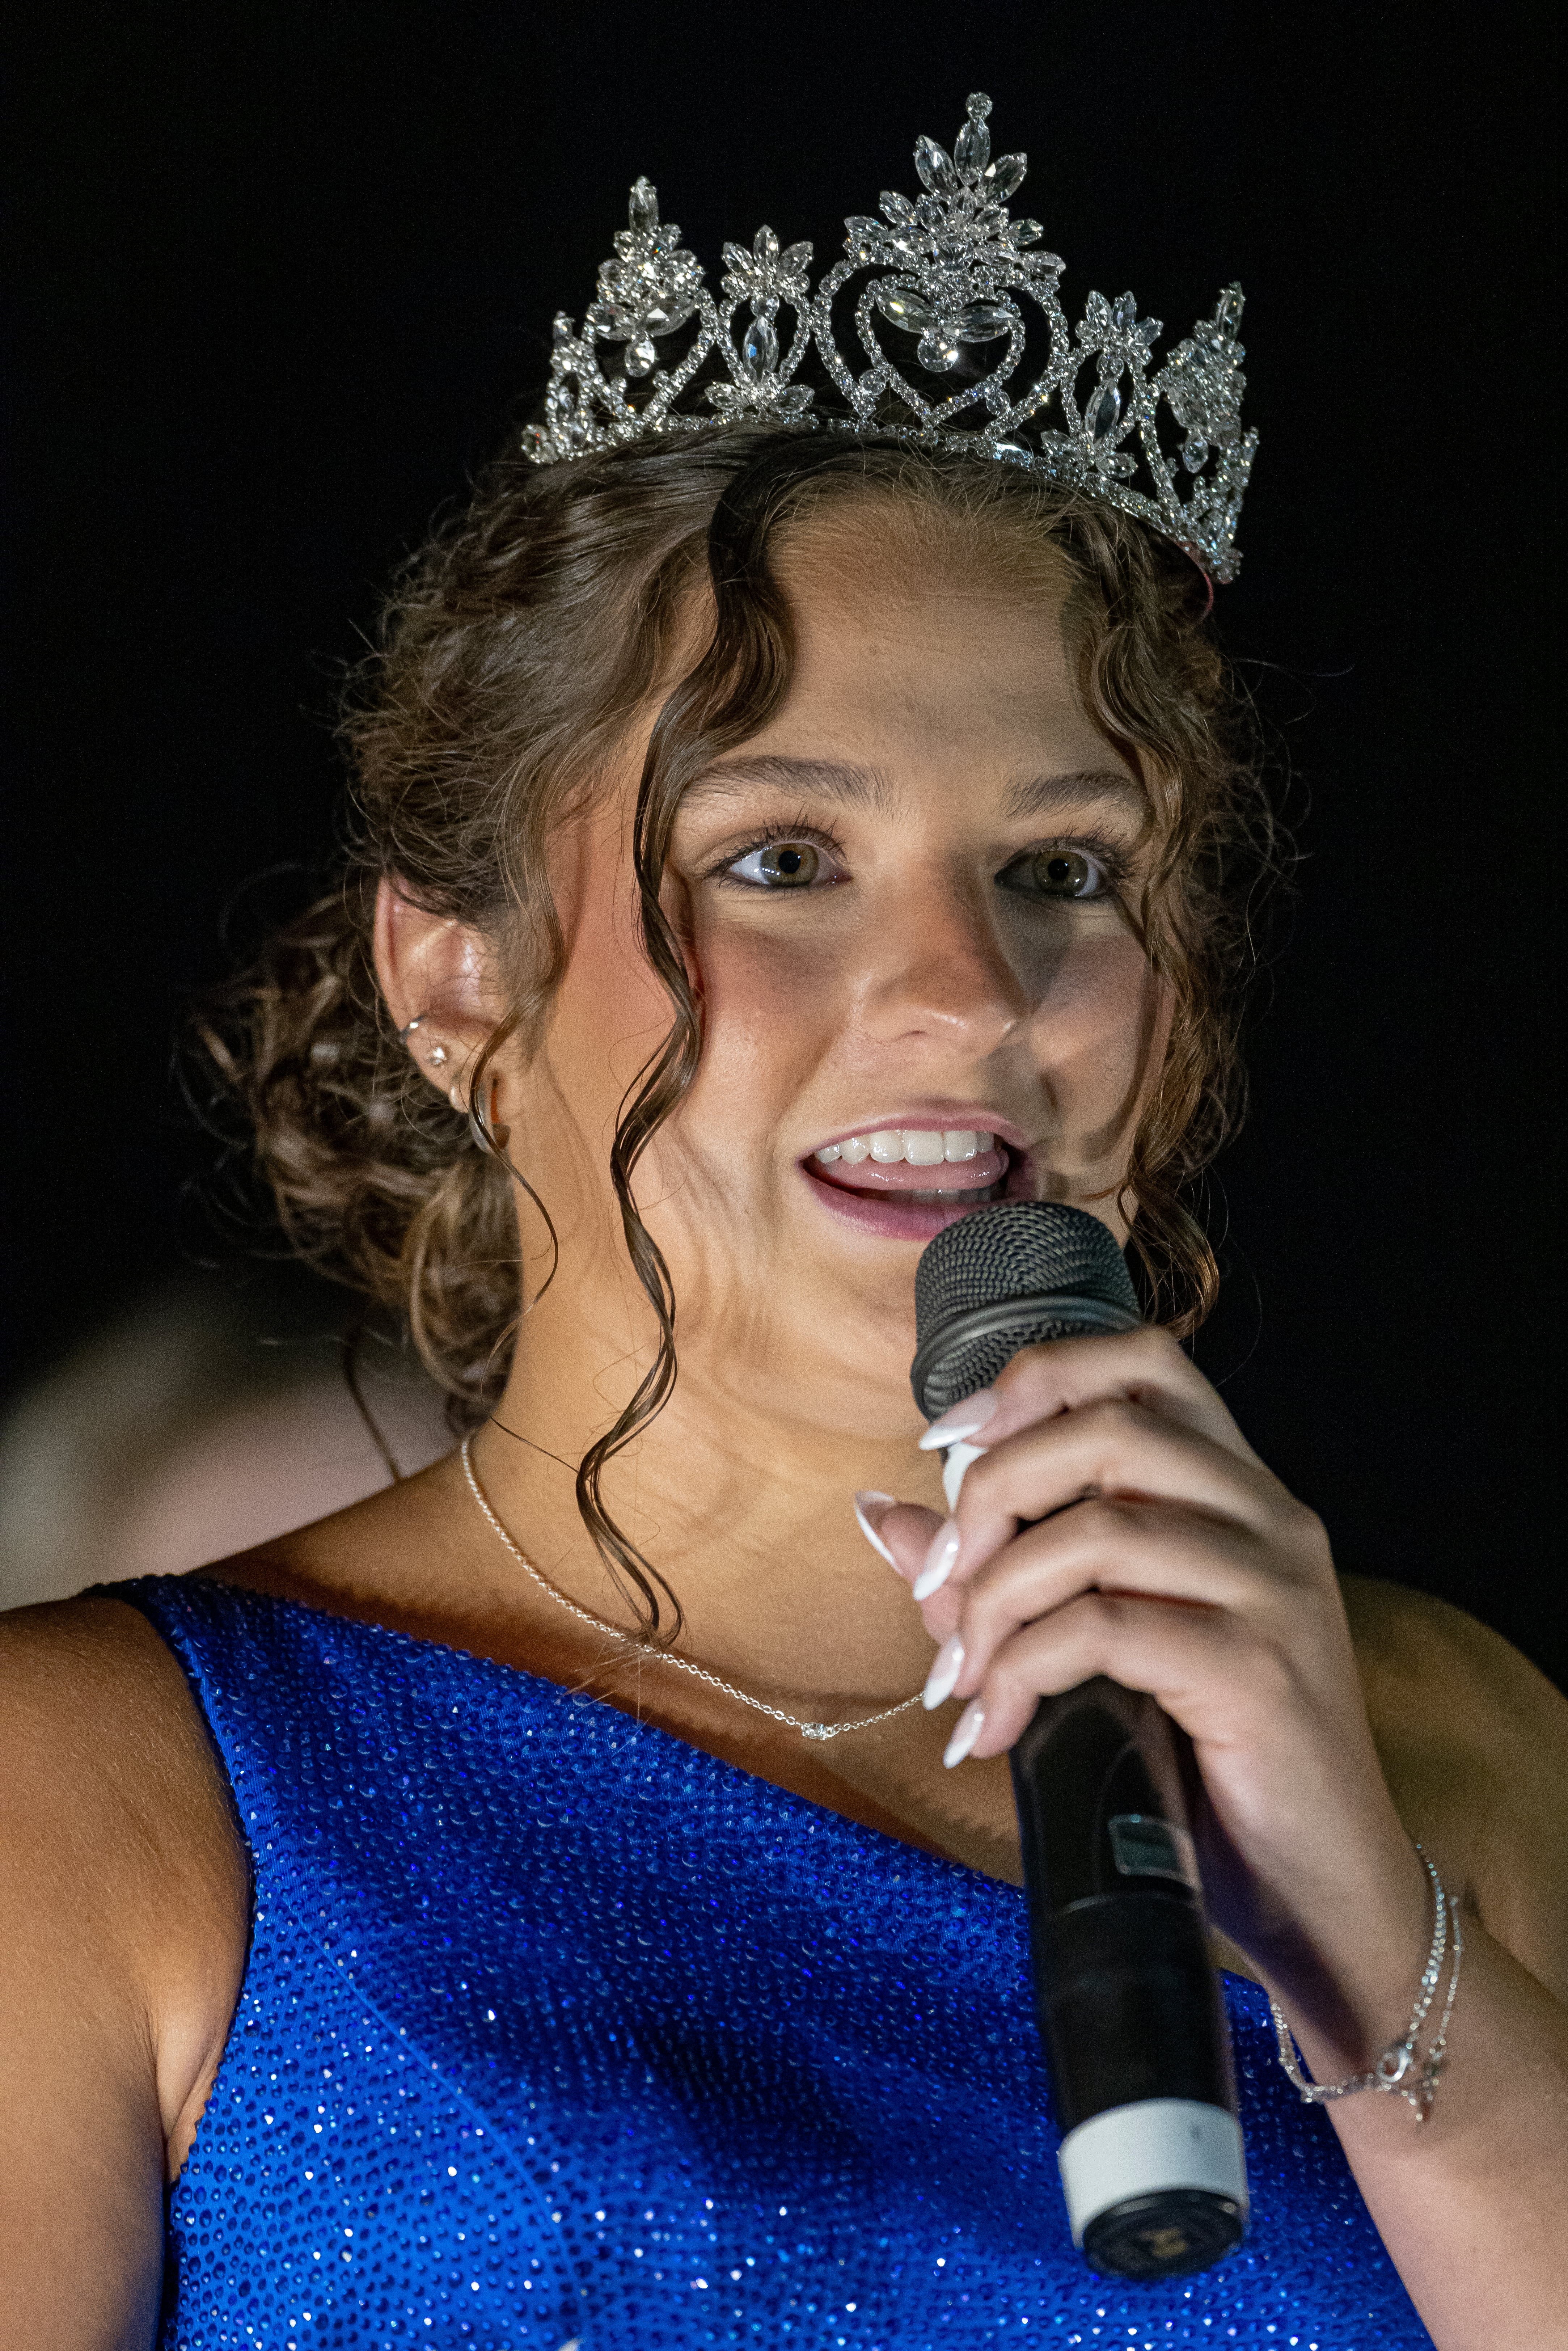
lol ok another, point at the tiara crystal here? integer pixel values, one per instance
(948, 271)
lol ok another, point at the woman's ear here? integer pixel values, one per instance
(435, 975)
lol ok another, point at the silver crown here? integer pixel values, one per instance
(946, 269)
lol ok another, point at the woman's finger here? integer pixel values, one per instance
(1209, 1672)
(1113, 1448)
(901, 1533)
(1145, 1368)
(1130, 1548)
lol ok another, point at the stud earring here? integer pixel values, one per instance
(438, 1055)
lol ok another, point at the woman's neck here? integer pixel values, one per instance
(747, 1510)
(744, 1507)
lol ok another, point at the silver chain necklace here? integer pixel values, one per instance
(665, 1657)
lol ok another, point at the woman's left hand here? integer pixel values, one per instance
(1177, 1563)
(1119, 1523)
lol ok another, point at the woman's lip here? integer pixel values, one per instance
(882, 1214)
(949, 1118)
(975, 1175)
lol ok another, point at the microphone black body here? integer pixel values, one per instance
(1131, 2015)
(1129, 2007)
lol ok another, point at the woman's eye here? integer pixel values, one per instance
(1056, 874)
(780, 865)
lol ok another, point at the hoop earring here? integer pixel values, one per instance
(492, 1141)
(487, 1137)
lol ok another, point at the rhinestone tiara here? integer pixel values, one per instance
(947, 273)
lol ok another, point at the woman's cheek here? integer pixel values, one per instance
(771, 1011)
(1098, 1032)
(611, 1004)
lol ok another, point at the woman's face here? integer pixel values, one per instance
(906, 909)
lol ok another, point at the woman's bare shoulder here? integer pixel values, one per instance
(104, 1758)
(396, 1549)
(1431, 1669)
(1474, 1743)
(87, 1691)
(405, 1558)
(121, 1952)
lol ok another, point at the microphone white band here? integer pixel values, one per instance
(1140, 2149)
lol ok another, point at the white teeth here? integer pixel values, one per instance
(922, 1147)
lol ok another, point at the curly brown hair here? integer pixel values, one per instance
(516, 652)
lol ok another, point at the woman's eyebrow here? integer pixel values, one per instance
(869, 788)
(1038, 796)
(831, 779)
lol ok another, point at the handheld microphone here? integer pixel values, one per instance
(1130, 2010)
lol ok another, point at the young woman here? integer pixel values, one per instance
(771, 844)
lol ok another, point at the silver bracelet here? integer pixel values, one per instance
(1393, 2069)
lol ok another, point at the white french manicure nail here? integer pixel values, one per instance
(971, 1722)
(946, 1667)
(939, 1560)
(959, 1421)
(869, 1494)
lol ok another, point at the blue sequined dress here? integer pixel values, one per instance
(556, 2030)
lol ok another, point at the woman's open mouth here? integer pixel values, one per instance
(906, 1182)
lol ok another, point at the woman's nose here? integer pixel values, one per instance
(938, 971)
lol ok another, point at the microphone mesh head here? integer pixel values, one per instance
(1038, 1259)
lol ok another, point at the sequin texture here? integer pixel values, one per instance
(556, 2031)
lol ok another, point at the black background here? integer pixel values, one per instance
(285, 269)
